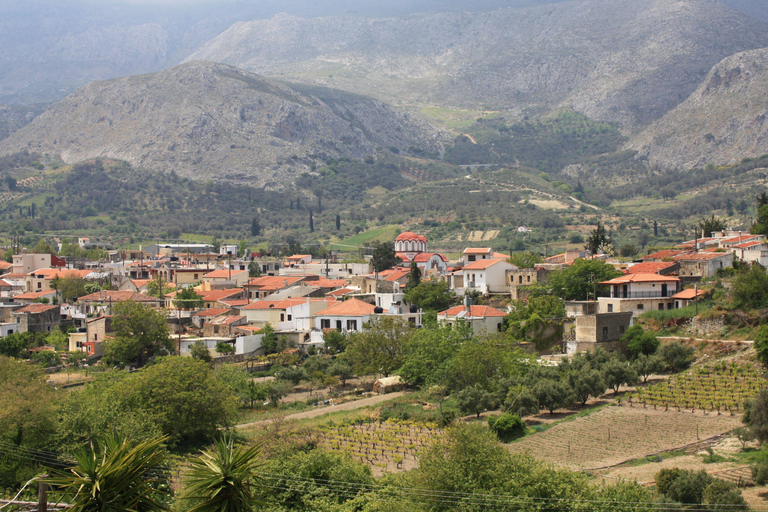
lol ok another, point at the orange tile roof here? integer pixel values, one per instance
(117, 296)
(340, 292)
(396, 275)
(34, 295)
(650, 267)
(660, 255)
(226, 320)
(482, 264)
(641, 278)
(213, 312)
(50, 273)
(351, 307)
(274, 304)
(235, 303)
(274, 282)
(477, 250)
(299, 256)
(215, 295)
(223, 274)
(700, 256)
(474, 311)
(4, 265)
(15, 275)
(747, 245)
(36, 308)
(327, 283)
(248, 327)
(138, 283)
(688, 294)
(5, 284)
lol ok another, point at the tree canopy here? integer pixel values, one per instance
(140, 334)
(578, 281)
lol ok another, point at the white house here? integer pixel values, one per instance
(482, 319)
(484, 275)
(750, 252)
(638, 293)
(349, 315)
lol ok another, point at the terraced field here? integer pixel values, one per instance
(617, 434)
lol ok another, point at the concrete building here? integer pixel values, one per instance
(599, 330)
(37, 317)
(482, 319)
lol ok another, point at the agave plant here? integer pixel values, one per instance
(219, 480)
(115, 475)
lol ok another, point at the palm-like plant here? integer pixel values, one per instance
(114, 475)
(220, 480)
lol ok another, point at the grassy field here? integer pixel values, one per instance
(457, 118)
(382, 234)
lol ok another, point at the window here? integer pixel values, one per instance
(640, 306)
(338, 325)
(39, 285)
(610, 308)
(471, 257)
(529, 279)
(289, 318)
(605, 333)
(669, 305)
(325, 323)
(661, 306)
(282, 317)
(196, 278)
(498, 327)
(521, 279)
(621, 329)
(351, 325)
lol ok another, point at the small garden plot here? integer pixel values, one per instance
(720, 387)
(386, 447)
(616, 434)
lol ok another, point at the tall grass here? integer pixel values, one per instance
(686, 312)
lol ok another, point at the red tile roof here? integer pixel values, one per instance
(215, 295)
(117, 296)
(36, 308)
(351, 307)
(213, 312)
(235, 303)
(340, 292)
(327, 283)
(650, 267)
(700, 256)
(274, 282)
(688, 294)
(747, 245)
(477, 250)
(474, 311)
(227, 320)
(641, 278)
(273, 304)
(410, 235)
(483, 264)
(34, 295)
(50, 273)
(223, 274)
(660, 255)
(5, 265)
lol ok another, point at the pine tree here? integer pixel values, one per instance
(338, 222)
(255, 227)
(311, 223)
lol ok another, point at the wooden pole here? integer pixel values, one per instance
(42, 495)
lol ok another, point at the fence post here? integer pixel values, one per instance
(42, 495)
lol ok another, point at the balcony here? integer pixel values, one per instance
(643, 295)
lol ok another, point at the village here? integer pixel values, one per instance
(301, 298)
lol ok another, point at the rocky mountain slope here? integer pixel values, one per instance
(723, 121)
(207, 120)
(624, 61)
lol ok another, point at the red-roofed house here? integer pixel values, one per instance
(685, 297)
(102, 301)
(26, 263)
(298, 259)
(260, 287)
(32, 297)
(213, 298)
(639, 293)
(665, 255)
(751, 252)
(485, 275)
(37, 317)
(206, 315)
(703, 264)
(472, 254)
(236, 277)
(663, 268)
(349, 315)
(482, 319)
(222, 326)
(40, 279)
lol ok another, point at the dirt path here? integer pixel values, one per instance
(347, 406)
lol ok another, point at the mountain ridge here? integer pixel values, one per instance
(621, 61)
(208, 120)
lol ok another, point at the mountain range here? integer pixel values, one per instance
(206, 120)
(682, 79)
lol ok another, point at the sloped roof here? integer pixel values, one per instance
(650, 267)
(50, 273)
(34, 295)
(700, 256)
(478, 250)
(410, 235)
(36, 308)
(214, 295)
(351, 307)
(223, 274)
(341, 291)
(117, 296)
(641, 278)
(688, 294)
(747, 245)
(273, 304)
(426, 256)
(485, 264)
(660, 255)
(274, 282)
(227, 320)
(213, 312)
(474, 311)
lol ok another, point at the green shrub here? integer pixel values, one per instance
(760, 473)
(507, 426)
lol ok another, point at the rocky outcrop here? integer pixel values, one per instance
(722, 122)
(206, 120)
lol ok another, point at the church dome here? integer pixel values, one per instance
(409, 235)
